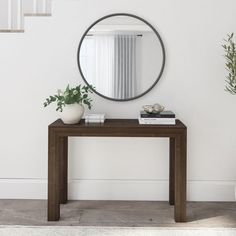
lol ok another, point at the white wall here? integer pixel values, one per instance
(34, 64)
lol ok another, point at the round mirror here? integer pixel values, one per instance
(122, 56)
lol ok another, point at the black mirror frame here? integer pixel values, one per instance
(163, 52)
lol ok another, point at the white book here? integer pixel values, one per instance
(94, 121)
(170, 121)
(157, 119)
(95, 116)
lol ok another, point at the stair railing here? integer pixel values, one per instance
(17, 9)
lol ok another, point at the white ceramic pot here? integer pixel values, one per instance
(72, 113)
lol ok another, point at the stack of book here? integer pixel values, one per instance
(162, 118)
(95, 118)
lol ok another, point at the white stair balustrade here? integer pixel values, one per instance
(15, 15)
(11, 16)
(45, 6)
(37, 7)
(12, 13)
(4, 14)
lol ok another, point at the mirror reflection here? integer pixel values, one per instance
(122, 57)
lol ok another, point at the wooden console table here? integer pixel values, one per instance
(58, 134)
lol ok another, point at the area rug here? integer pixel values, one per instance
(112, 231)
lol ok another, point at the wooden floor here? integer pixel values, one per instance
(118, 213)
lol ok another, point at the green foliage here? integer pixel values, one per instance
(230, 57)
(77, 94)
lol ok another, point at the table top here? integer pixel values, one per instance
(116, 123)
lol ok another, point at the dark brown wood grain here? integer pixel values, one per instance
(63, 169)
(180, 176)
(172, 171)
(58, 157)
(53, 176)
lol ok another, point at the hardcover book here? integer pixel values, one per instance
(157, 121)
(163, 114)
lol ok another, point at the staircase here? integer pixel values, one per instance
(13, 13)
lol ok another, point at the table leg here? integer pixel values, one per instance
(180, 176)
(172, 171)
(63, 169)
(53, 176)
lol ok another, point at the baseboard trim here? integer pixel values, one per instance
(151, 190)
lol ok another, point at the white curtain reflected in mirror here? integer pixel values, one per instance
(109, 64)
(125, 81)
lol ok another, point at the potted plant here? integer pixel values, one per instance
(70, 103)
(230, 56)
